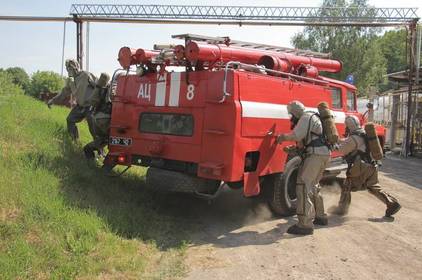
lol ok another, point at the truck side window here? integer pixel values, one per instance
(336, 98)
(351, 106)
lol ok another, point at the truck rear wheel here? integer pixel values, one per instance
(281, 189)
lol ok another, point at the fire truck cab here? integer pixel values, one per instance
(217, 120)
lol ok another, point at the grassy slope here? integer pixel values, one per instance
(61, 219)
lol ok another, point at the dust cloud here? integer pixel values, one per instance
(258, 214)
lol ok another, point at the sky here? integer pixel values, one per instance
(38, 46)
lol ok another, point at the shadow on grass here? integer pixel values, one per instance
(131, 210)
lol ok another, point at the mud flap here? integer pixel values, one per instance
(250, 184)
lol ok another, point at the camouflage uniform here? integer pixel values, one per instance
(80, 84)
(316, 155)
(101, 115)
(362, 173)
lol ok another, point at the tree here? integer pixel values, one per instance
(45, 81)
(348, 43)
(7, 86)
(373, 69)
(19, 77)
(393, 47)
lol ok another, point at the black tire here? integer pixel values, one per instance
(281, 189)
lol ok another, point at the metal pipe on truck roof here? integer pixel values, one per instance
(144, 56)
(211, 52)
(126, 57)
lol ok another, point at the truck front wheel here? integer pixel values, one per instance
(281, 189)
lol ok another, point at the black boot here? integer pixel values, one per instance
(295, 229)
(89, 153)
(321, 221)
(340, 211)
(392, 209)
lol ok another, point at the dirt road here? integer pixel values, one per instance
(237, 238)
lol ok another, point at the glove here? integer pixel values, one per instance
(281, 138)
(49, 103)
(290, 149)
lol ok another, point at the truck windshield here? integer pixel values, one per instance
(164, 123)
(351, 102)
(336, 98)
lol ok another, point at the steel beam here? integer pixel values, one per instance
(411, 52)
(247, 13)
(79, 41)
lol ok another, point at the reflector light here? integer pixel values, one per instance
(121, 159)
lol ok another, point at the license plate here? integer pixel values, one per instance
(120, 141)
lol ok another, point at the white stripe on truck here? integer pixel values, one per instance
(160, 93)
(251, 109)
(174, 89)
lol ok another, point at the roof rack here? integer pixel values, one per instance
(227, 41)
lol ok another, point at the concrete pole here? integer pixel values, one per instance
(394, 117)
(87, 47)
(63, 46)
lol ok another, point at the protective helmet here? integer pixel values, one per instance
(352, 123)
(72, 63)
(296, 108)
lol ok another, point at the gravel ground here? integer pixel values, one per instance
(237, 238)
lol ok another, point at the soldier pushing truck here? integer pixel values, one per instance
(80, 84)
(312, 140)
(92, 103)
(362, 150)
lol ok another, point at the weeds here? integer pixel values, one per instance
(63, 219)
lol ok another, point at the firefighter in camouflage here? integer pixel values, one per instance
(362, 173)
(308, 134)
(80, 84)
(101, 114)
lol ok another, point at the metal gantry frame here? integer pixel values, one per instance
(303, 15)
(243, 15)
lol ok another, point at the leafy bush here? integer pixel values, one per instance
(7, 86)
(45, 81)
(19, 77)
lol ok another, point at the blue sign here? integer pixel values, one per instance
(350, 79)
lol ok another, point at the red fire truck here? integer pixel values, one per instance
(216, 121)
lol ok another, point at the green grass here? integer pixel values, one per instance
(63, 219)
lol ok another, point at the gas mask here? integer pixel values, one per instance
(293, 121)
(347, 132)
(72, 67)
